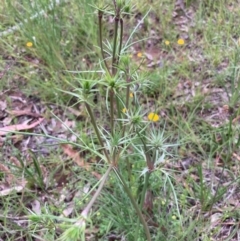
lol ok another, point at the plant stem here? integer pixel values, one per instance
(115, 43)
(100, 13)
(96, 194)
(112, 111)
(148, 158)
(118, 109)
(128, 79)
(137, 209)
(120, 40)
(97, 131)
(147, 175)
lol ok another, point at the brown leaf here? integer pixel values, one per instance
(19, 127)
(23, 112)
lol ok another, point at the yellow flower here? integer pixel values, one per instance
(131, 95)
(124, 110)
(174, 217)
(29, 44)
(139, 54)
(167, 42)
(181, 41)
(153, 117)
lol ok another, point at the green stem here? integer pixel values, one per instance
(97, 131)
(147, 175)
(127, 103)
(150, 164)
(127, 95)
(129, 170)
(112, 111)
(100, 13)
(118, 109)
(115, 44)
(120, 40)
(137, 209)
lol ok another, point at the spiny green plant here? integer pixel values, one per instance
(124, 125)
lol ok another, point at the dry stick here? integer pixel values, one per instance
(86, 210)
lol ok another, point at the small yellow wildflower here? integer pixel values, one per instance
(181, 41)
(124, 110)
(139, 54)
(131, 95)
(153, 117)
(29, 44)
(167, 42)
(174, 217)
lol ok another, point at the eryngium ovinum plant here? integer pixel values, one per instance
(124, 129)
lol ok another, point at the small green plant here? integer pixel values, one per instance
(184, 68)
(124, 126)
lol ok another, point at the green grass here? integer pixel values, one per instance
(195, 90)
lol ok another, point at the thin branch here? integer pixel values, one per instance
(100, 13)
(97, 131)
